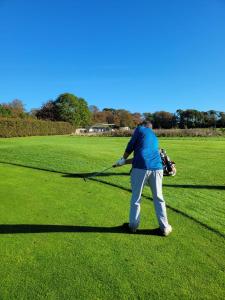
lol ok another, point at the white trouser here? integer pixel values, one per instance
(139, 178)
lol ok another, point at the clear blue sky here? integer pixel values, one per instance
(141, 55)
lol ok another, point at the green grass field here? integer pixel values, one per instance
(61, 237)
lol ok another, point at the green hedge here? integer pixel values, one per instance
(191, 132)
(10, 127)
(195, 132)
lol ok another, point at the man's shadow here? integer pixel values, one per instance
(94, 174)
(41, 228)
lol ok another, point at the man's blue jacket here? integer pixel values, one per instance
(144, 144)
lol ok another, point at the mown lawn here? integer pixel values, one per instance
(61, 237)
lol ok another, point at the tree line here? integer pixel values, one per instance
(66, 107)
(75, 110)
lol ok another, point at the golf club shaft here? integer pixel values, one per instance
(103, 171)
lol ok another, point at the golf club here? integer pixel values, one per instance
(98, 173)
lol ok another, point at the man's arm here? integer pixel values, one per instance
(130, 145)
(129, 150)
(125, 155)
(129, 161)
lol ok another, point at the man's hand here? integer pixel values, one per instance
(120, 162)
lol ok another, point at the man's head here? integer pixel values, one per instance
(147, 124)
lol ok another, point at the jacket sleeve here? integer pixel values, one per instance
(130, 145)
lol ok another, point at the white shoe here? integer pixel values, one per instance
(166, 231)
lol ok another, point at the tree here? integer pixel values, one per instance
(163, 119)
(221, 121)
(179, 118)
(93, 109)
(111, 116)
(48, 111)
(193, 118)
(5, 110)
(112, 110)
(98, 117)
(85, 115)
(73, 109)
(148, 116)
(126, 119)
(213, 117)
(17, 108)
(33, 112)
(137, 118)
(67, 107)
(13, 109)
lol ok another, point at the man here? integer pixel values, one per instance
(146, 169)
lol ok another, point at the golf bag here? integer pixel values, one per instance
(169, 168)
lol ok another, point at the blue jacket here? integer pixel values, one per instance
(144, 143)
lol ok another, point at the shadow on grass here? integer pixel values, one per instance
(65, 174)
(83, 175)
(196, 186)
(31, 167)
(180, 212)
(94, 174)
(35, 228)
